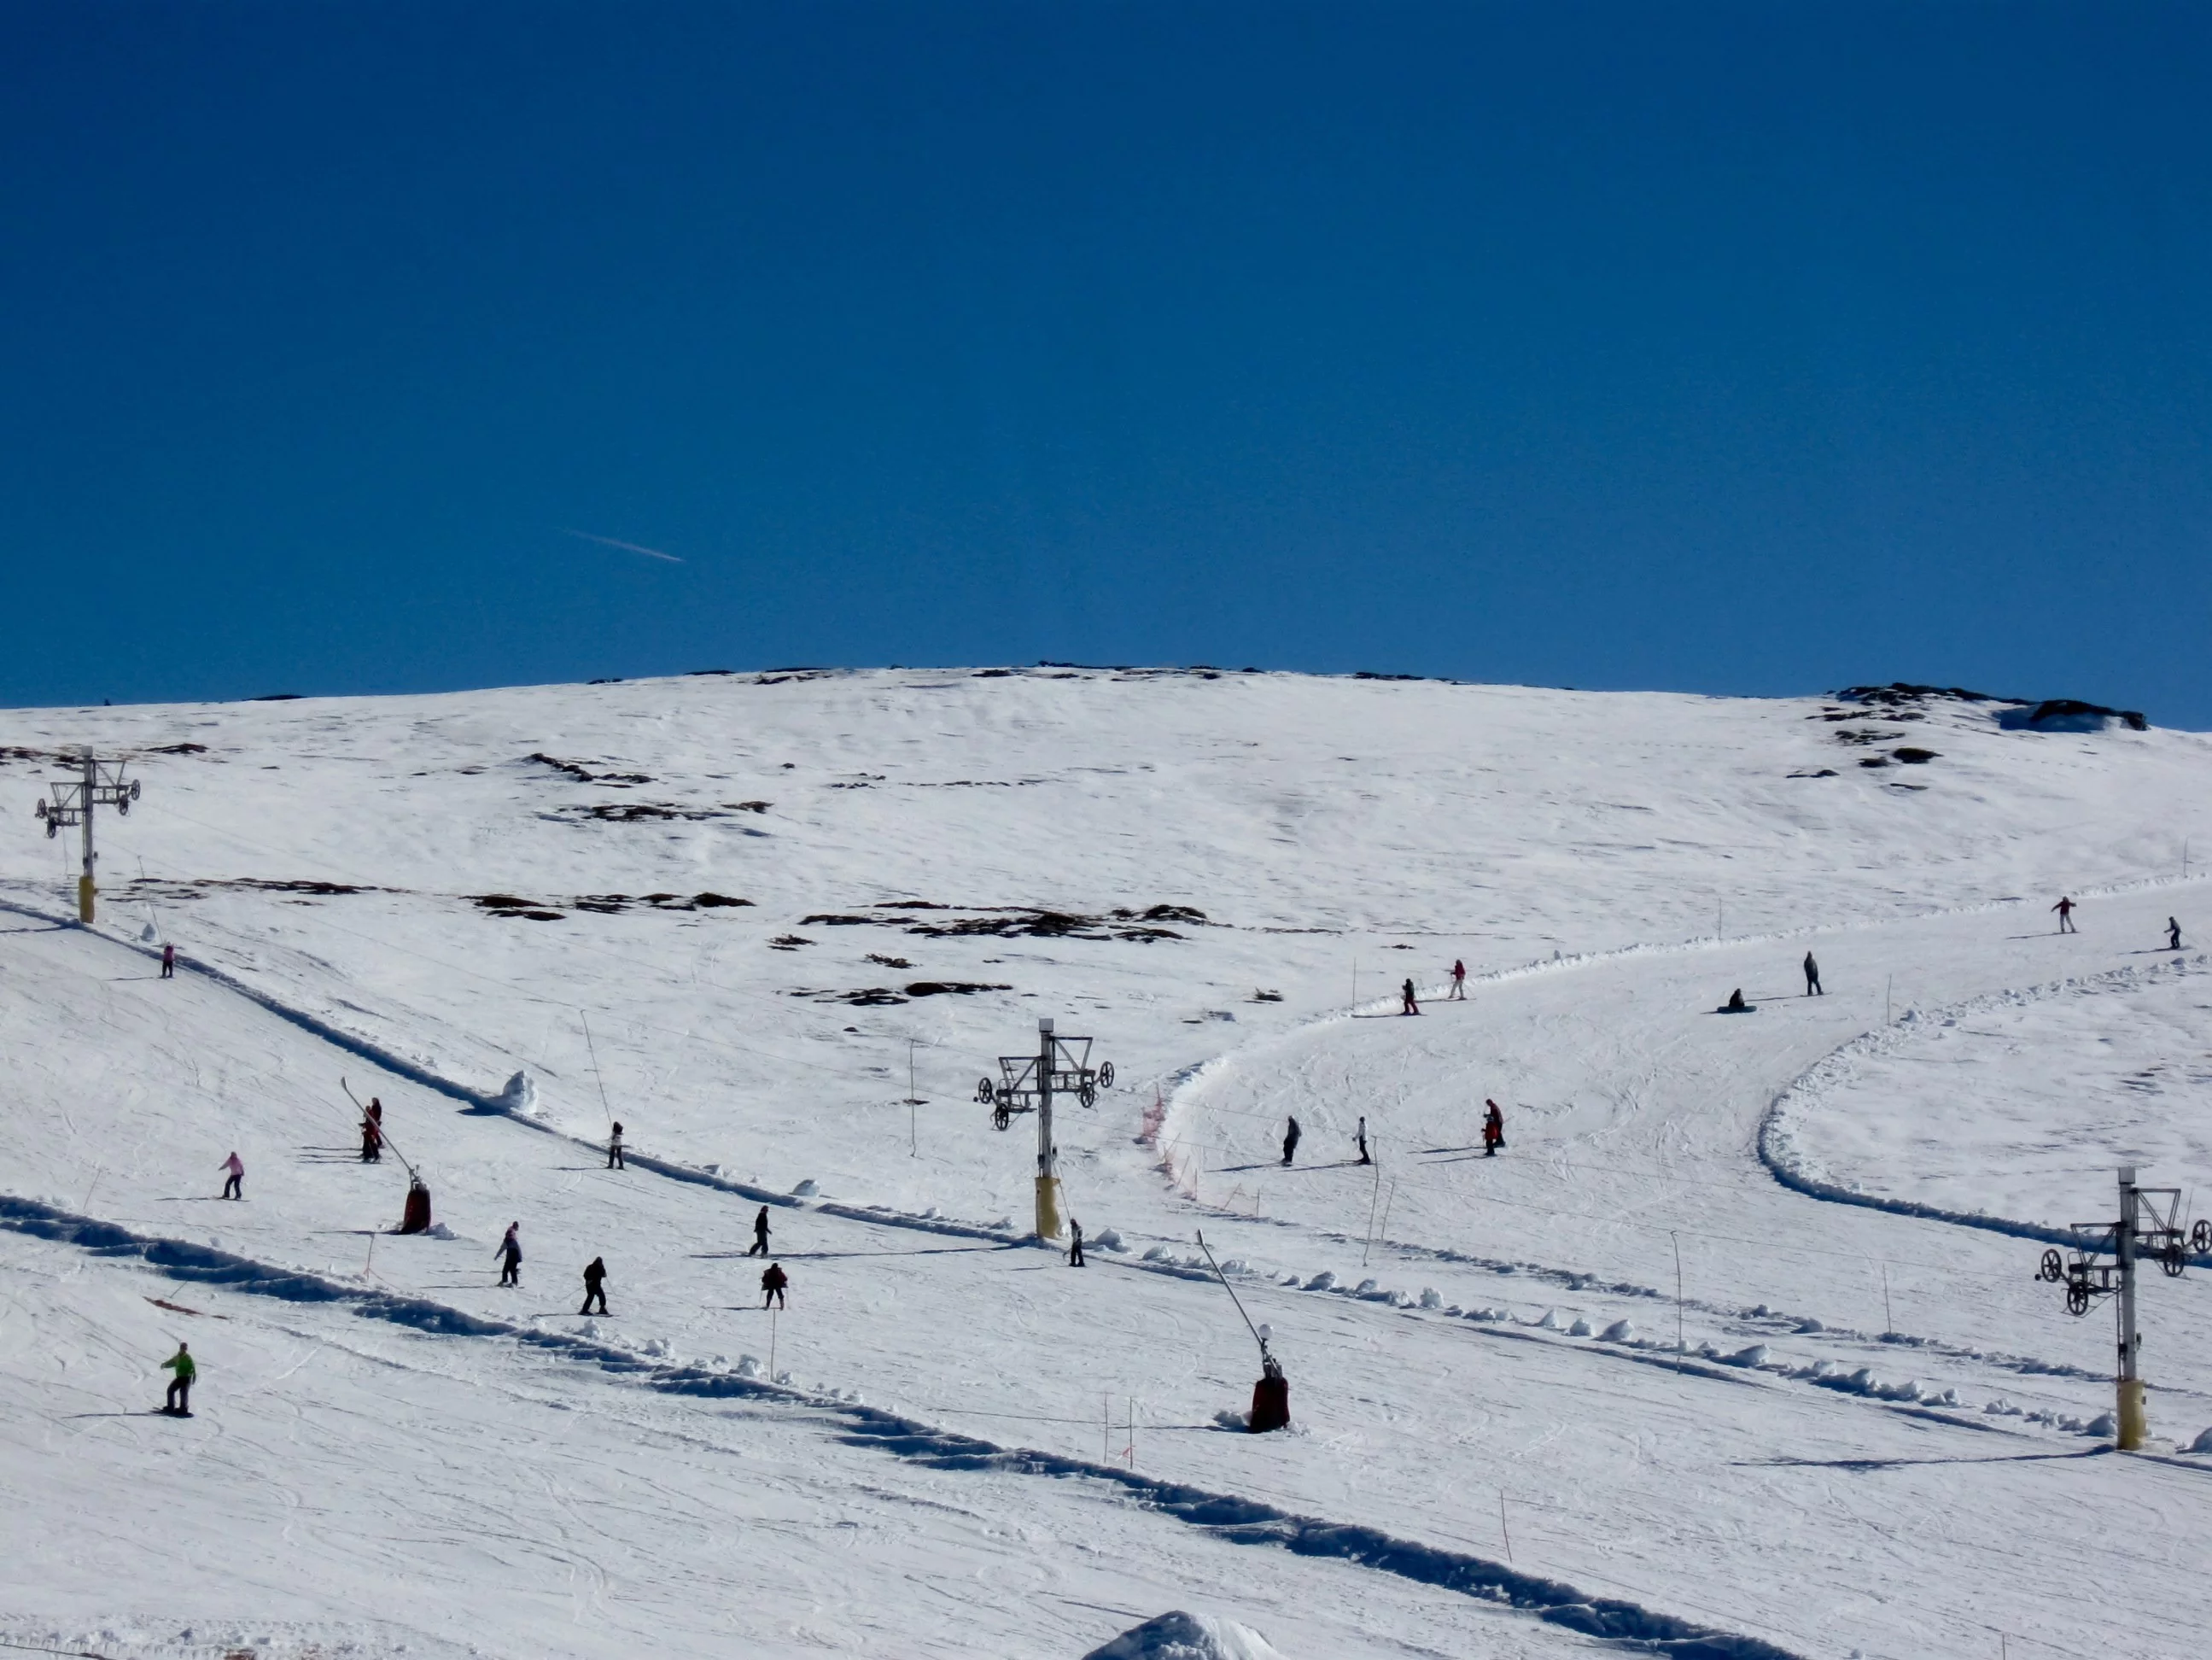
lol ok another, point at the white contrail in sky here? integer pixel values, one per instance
(627, 547)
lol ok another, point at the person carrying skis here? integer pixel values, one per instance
(168, 961)
(595, 1284)
(1406, 992)
(1360, 1140)
(178, 1402)
(760, 1234)
(1459, 982)
(510, 1256)
(1813, 977)
(372, 1132)
(614, 1149)
(1290, 1142)
(1494, 1129)
(2173, 934)
(233, 1186)
(2065, 909)
(1075, 1248)
(773, 1281)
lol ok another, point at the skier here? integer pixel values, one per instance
(1290, 1142)
(614, 1149)
(169, 962)
(595, 1284)
(771, 1284)
(178, 1403)
(1494, 1129)
(1406, 992)
(510, 1256)
(1075, 1250)
(2173, 934)
(2065, 909)
(1359, 1136)
(371, 1133)
(760, 1234)
(1459, 982)
(1813, 977)
(234, 1185)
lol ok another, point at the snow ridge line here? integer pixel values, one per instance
(1777, 1146)
(1227, 1516)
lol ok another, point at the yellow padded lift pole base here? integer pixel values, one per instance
(84, 900)
(2135, 1423)
(1048, 1208)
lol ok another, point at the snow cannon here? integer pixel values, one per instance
(1271, 1396)
(416, 1217)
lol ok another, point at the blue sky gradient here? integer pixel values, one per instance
(1733, 349)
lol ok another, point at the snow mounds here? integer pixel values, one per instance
(520, 1095)
(2202, 1443)
(1179, 1635)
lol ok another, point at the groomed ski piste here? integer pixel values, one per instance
(1863, 1427)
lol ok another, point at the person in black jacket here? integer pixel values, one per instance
(773, 1281)
(760, 1234)
(1290, 1142)
(595, 1284)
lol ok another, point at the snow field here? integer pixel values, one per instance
(1801, 1476)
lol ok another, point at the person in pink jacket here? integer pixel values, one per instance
(234, 1185)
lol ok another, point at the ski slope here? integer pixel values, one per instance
(1880, 1433)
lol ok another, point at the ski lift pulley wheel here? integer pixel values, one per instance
(2173, 1259)
(2052, 1269)
(1000, 1117)
(985, 1091)
(2200, 1237)
(1088, 1095)
(1106, 1082)
(2077, 1298)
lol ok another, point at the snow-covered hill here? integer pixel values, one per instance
(732, 910)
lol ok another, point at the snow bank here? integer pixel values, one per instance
(1179, 1635)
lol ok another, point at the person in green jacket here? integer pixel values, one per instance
(180, 1387)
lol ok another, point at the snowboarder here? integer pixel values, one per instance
(233, 1186)
(372, 1132)
(169, 962)
(1406, 992)
(773, 1281)
(614, 1149)
(1290, 1142)
(1360, 1138)
(760, 1234)
(2065, 909)
(595, 1284)
(1459, 982)
(2173, 934)
(1494, 1129)
(1075, 1248)
(510, 1256)
(178, 1402)
(1813, 977)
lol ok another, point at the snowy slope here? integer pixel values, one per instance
(1871, 1445)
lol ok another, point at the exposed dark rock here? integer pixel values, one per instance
(2070, 714)
(1913, 757)
(950, 987)
(889, 962)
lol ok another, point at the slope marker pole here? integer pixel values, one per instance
(1678, 1300)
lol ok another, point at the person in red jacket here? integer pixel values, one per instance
(1459, 982)
(1493, 1130)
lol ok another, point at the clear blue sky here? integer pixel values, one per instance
(1754, 348)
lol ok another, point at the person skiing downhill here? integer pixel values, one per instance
(2065, 909)
(1813, 977)
(1406, 992)
(2173, 934)
(595, 1284)
(760, 1234)
(510, 1256)
(233, 1186)
(773, 1281)
(1290, 1141)
(1359, 1138)
(169, 962)
(179, 1401)
(1459, 982)
(1494, 1129)
(1075, 1248)
(615, 1149)
(372, 1132)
